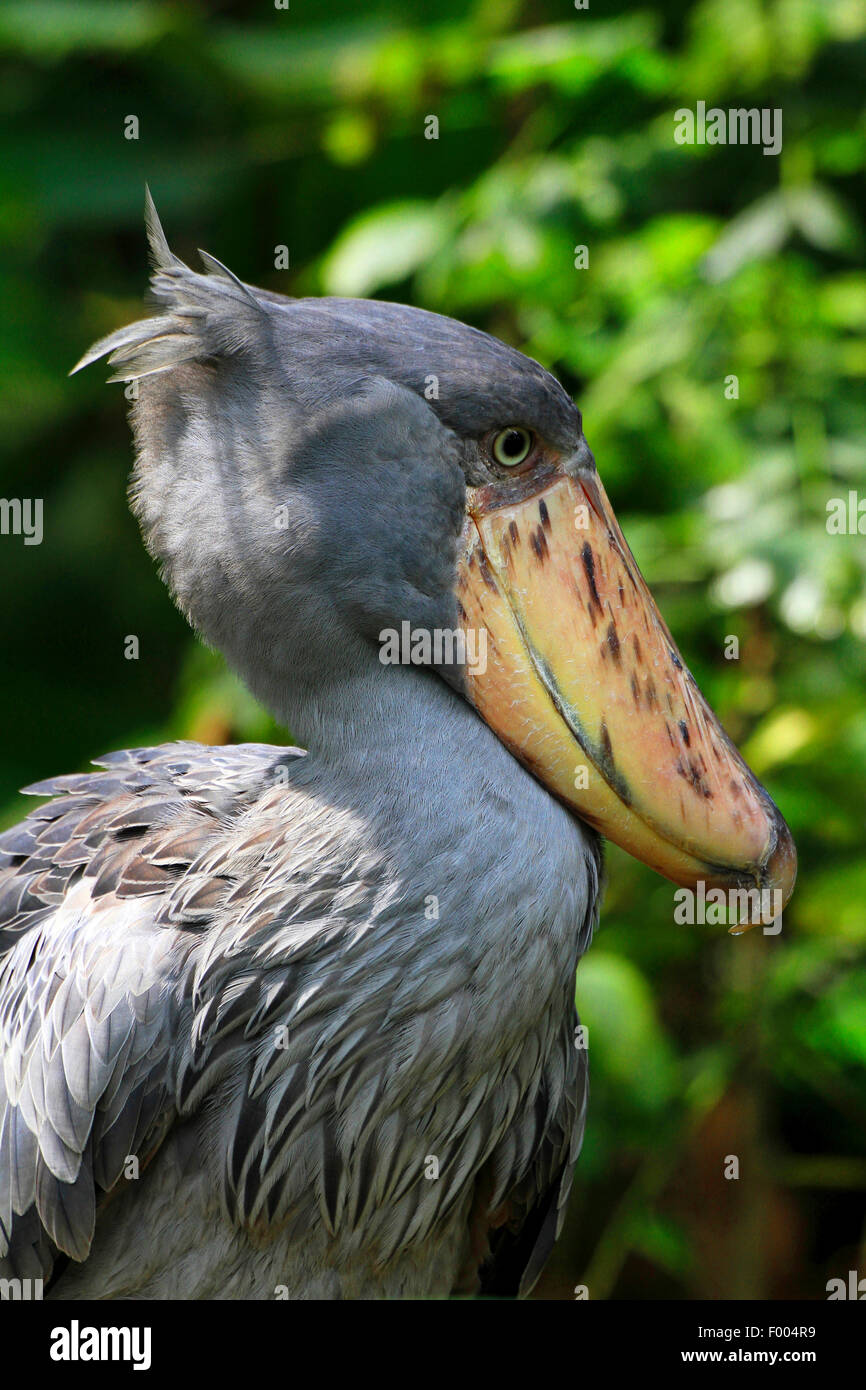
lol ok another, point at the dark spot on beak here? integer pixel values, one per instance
(606, 744)
(588, 559)
(487, 573)
(694, 778)
(698, 782)
(538, 541)
(609, 768)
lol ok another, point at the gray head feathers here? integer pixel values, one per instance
(207, 315)
(330, 348)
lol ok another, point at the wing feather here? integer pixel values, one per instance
(90, 980)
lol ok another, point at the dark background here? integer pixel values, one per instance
(261, 127)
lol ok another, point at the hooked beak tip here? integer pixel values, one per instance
(781, 868)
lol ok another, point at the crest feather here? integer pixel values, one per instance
(203, 316)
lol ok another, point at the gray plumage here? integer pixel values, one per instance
(284, 981)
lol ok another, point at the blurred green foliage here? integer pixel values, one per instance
(306, 127)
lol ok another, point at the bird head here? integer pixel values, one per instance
(320, 477)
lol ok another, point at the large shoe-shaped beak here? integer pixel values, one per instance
(584, 684)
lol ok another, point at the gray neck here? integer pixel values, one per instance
(446, 801)
(392, 716)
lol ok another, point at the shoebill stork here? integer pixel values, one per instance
(303, 1023)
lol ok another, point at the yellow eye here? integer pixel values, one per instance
(511, 446)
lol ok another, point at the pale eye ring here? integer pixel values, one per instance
(511, 446)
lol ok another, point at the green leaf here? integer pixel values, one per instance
(384, 247)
